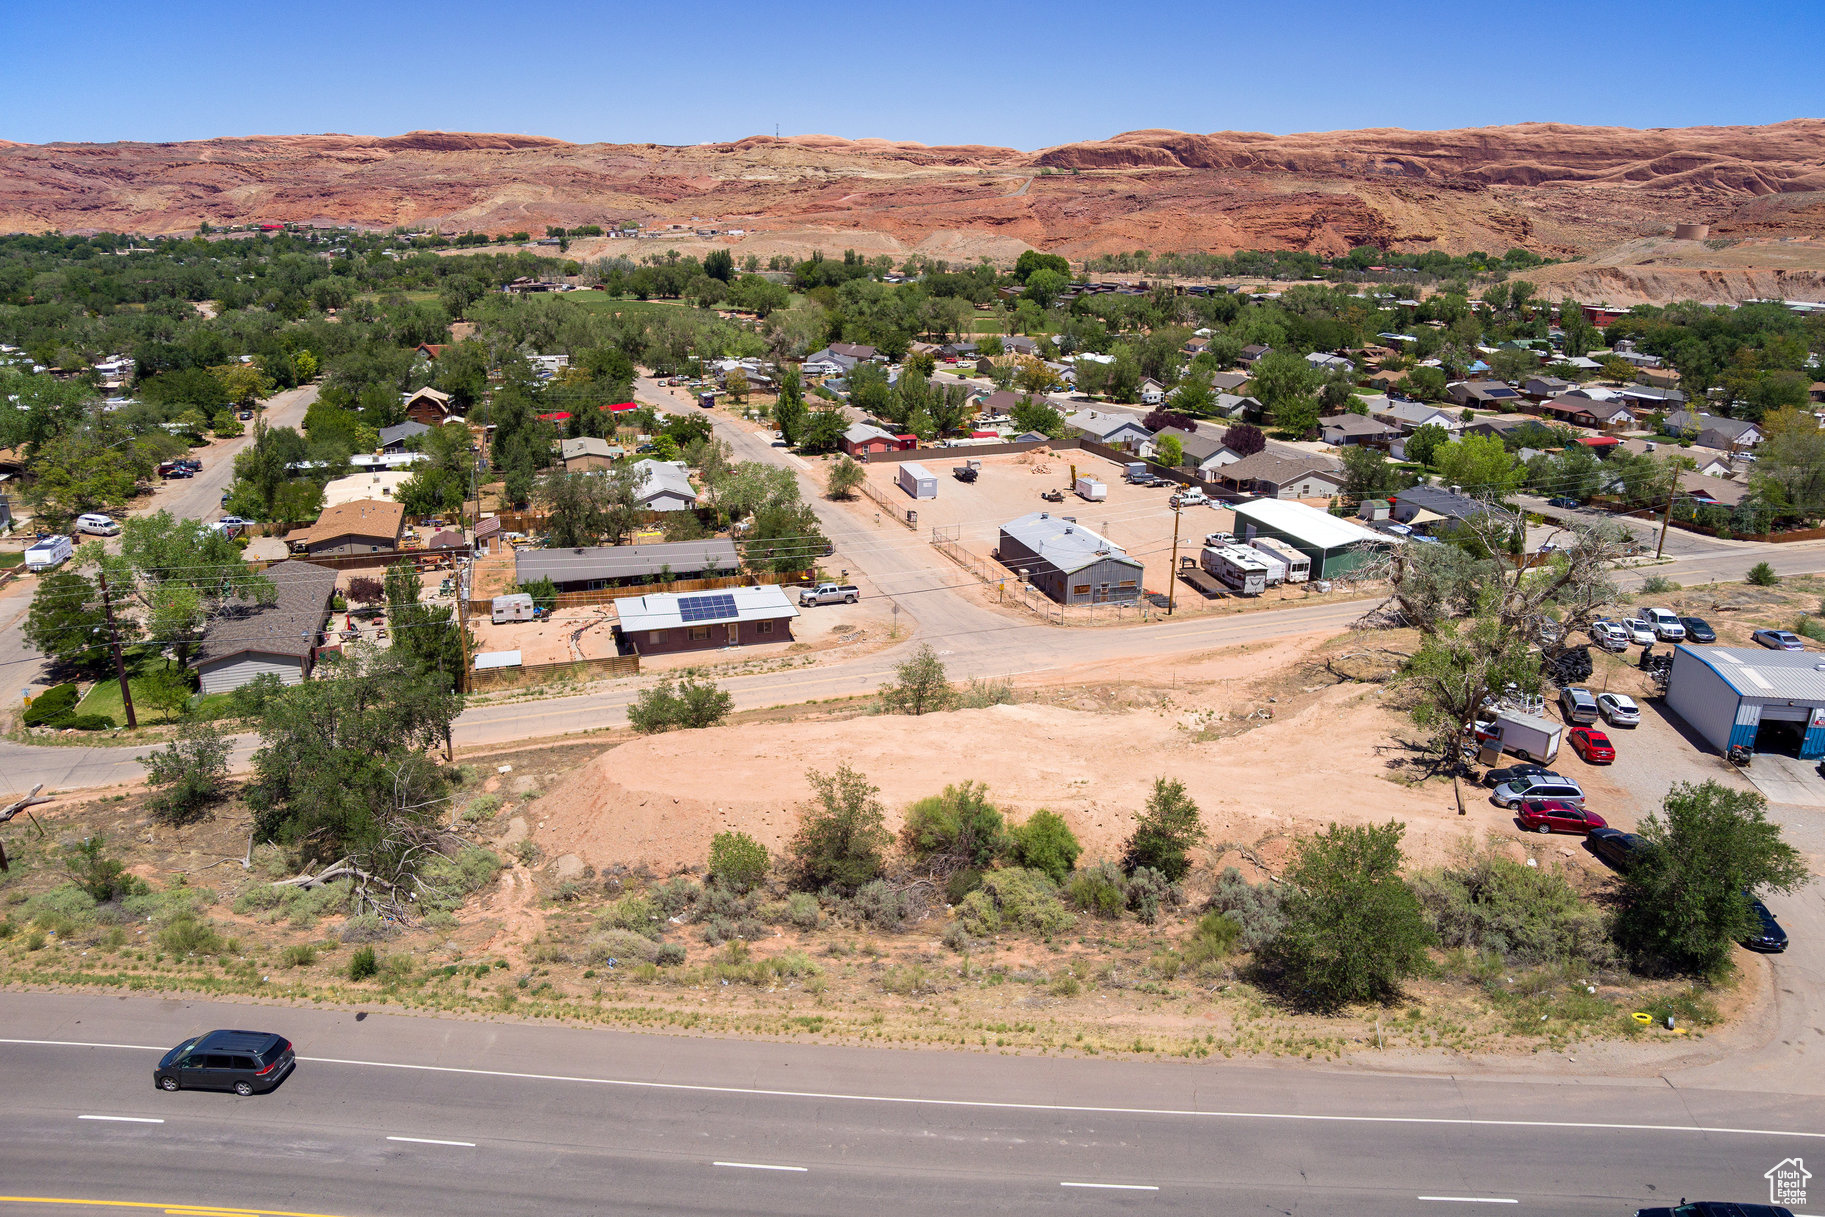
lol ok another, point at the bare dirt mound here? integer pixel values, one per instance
(1556, 189)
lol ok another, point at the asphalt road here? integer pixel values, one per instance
(396, 1115)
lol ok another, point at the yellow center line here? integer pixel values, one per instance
(177, 1208)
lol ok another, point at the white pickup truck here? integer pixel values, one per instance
(829, 593)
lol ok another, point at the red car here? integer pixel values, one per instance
(1592, 745)
(1550, 815)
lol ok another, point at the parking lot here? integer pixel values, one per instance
(1138, 519)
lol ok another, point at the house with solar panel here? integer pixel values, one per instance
(665, 622)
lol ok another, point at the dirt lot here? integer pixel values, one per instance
(568, 634)
(1139, 519)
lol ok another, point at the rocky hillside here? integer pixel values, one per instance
(1559, 190)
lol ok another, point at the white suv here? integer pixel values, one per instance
(1665, 623)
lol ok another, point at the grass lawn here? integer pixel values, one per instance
(11, 558)
(104, 698)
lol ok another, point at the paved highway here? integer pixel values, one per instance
(397, 1115)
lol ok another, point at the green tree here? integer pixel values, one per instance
(738, 863)
(920, 685)
(1031, 260)
(823, 429)
(1686, 899)
(846, 474)
(688, 703)
(1480, 464)
(841, 843)
(954, 830)
(1282, 379)
(586, 507)
(424, 636)
(1045, 286)
(1354, 929)
(1033, 414)
(1762, 575)
(1297, 417)
(1424, 443)
(1044, 843)
(1165, 831)
(1368, 474)
(719, 264)
(181, 573)
(189, 775)
(1169, 450)
(67, 623)
(1426, 384)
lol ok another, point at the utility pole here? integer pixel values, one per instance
(462, 621)
(1172, 572)
(120, 664)
(1666, 515)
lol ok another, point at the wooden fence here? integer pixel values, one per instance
(577, 671)
(386, 557)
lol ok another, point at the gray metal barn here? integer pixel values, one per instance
(1768, 701)
(1069, 562)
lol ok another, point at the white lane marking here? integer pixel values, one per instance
(431, 1141)
(761, 1166)
(994, 1105)
(1115, 1187)
(1471, 1199)
(123, 1119)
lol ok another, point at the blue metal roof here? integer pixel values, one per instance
(1771, 675)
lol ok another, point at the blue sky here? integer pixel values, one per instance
(1011, 73)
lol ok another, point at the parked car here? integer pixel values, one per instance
(1665, 623)
(1773, 939)
(246, 1062)
(1638, 631)
(1716, 1208)
(1552, 815)
(1778, 640)
(1608, 635)
(96, 524)
(1515, 773)
(1540, 786)
(1619, 709)
(1576, 705)
(1619, 850)
(1561, 500)
(1592, 745)
(1698, 629)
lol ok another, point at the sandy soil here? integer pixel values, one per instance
(568, 634)
(1328, 752)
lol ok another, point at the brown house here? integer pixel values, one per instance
(665, 622)
(428, 406)
(365, 526)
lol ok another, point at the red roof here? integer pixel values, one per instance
(553, 418)
(621, 405)
(985, 435)
(907, 438)
(1598, 441)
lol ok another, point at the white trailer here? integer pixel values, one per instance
(1091, 490)
(1525, 735)
(516, 606)
(1298, 565)
(918, 481)
(1242, 570)
(48, 553)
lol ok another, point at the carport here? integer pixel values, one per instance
(1767, 701)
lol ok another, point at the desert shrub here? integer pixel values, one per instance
(1099, 890)
(67, 902)
(1527, 915)
(955, 829)
(716, 901)
(636, 914)
(961, 884)
(363, 964)
(1148, 889)
(395, 968)
(670, 954)
(303, 908)
(190, 935)
(958, 938)
(88, 722)
(366, 928)
(1164, 832)
(980, 694)
(909, 980)
(1211, 941)
(718, 929)
(687, 703)
(800, 909)
(190, 773)
(1761, 575)
(738, 862)
(102, 877)
(1255, 908)
(1354, 929)
(881, 905)
(481, 808)
(1809, 626)
(841, 843)
(300, 955)
(1044, 843)
(622, 947)
(1014, 899)
(259, 898)
(1658, 585)
(674, 896)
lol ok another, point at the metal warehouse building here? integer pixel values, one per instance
(1769, 701)
(1336, 547)
(1067, 561)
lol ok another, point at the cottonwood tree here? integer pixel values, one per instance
(179, 573)
(67, 622)
(586, 507)
(920, 685)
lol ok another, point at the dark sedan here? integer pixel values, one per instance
(1698, 629)
(1562, 501)
(1616, 848)
(1716, 1208)
(1771, 939)
(1514, 773)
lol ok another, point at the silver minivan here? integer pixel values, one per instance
(97, 525)
(1577, 705)
(1539, 786)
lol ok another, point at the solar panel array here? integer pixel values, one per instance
(716, 607)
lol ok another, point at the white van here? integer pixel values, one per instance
(96, 525)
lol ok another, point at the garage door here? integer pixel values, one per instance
(1785, 714)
